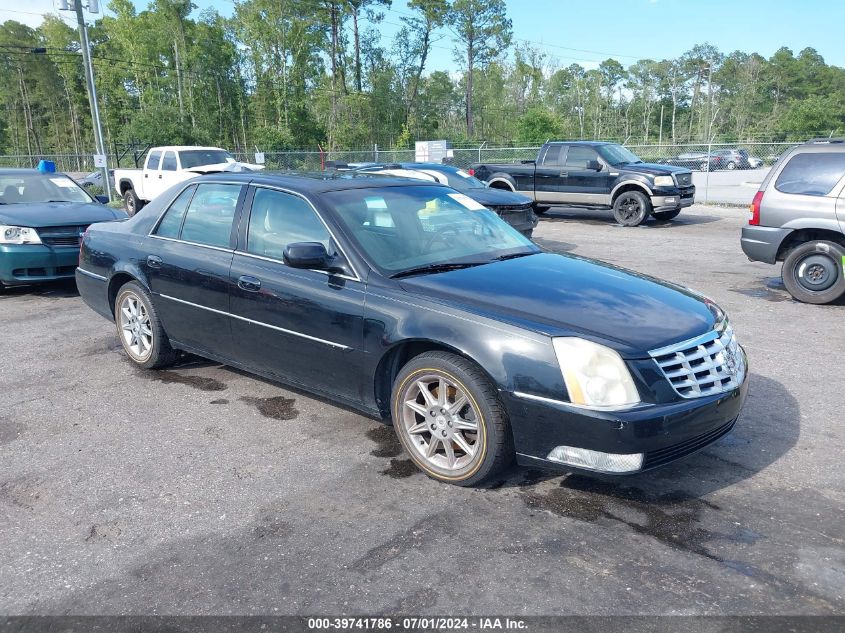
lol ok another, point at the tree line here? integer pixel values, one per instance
(308, 74)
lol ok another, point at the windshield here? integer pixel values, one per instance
(461, 180)
(31, 188)
(617, 155)
(405, 228)
(200, 157)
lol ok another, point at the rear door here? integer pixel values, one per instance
(304, 326)
(188, 257)
(806, 193)
(547, 175)
(581, 184)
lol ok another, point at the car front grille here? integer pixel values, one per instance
(62, 235)
(676, 451)
(683, 179)
(707, 365)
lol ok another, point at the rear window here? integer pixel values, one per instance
(812, 174)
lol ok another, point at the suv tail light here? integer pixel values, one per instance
(755, 209)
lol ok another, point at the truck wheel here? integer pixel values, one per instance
(449, 419)
(665, 216)
(631, 208)
(813, 272)
(132, 202)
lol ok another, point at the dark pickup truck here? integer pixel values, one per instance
(595, 174)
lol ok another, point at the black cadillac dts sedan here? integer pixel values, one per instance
(408, 302)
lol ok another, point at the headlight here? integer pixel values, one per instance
(595, 375)
(18, 235)
(664, 181)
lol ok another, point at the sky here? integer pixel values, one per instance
(575, 31)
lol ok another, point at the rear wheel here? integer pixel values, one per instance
(140, 330)
(731, 165)
(132, 202)
(665, 216)
(813, 272)
(449, 419)
(704, 166)
(631, 208)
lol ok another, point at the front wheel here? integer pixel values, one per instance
(631, 208)
(813, 272)
(731, 165)
(449, 419)
(139, 328)
(665, 216)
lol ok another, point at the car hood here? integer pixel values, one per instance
(653, 169)
(566, 295)
(496, 197)
(57, 214)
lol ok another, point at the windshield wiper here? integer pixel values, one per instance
(435, 268)
(502, 258)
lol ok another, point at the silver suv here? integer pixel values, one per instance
(798, 217)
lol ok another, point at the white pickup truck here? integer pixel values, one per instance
(166, 166)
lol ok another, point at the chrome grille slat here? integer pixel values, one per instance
(710, 364)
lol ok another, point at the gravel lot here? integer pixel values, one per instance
(203, 490)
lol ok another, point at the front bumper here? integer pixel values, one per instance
(762, 243)
(663, 432)
(523, 219)
(32, 263)
(672, 199)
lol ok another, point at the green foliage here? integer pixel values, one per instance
(302, 74)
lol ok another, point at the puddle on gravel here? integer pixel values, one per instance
(276, 408)
(768, 288)
(202, 383)
(400, 469)
(388, 444)
(673, 518)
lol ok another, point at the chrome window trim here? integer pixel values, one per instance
(214, 248)
(261, 323)
(190, 182)
(356, 277)
(88, 273)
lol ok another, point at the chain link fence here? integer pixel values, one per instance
(724, 173)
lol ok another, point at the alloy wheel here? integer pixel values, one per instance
(629, 208)
(135, 327)
(441, 423)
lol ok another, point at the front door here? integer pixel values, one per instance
(304, 326)
(580, 183)
(188, 257)
(547, 174)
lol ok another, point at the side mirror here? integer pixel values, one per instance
(102, 199)
(307, 255)
(594, 165)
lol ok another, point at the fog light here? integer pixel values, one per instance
(669, 201)
(594, 460)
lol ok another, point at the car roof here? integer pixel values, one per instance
(587, 143)
(316, 182)
(182, 148)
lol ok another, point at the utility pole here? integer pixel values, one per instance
(93, 7)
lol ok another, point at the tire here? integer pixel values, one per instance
(132, 202)
(142, 325)
(490, 444)
(665, 216)
(704, 167)
(813, 272)
(631, 208)
(731, 166)
(540, 209)
(529, 234)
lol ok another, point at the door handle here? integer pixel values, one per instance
(250, 284)
(146, 175)
(564, 174)
(159, 176)
(153, 261)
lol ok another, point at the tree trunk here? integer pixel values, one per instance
(358, 84)
(470, 62)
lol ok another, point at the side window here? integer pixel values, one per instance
(172, 220)
(210, 214)
(579, 156)
(552, 156)
(169, 162)
(278, 219)
(811, 174)
(152, 162)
